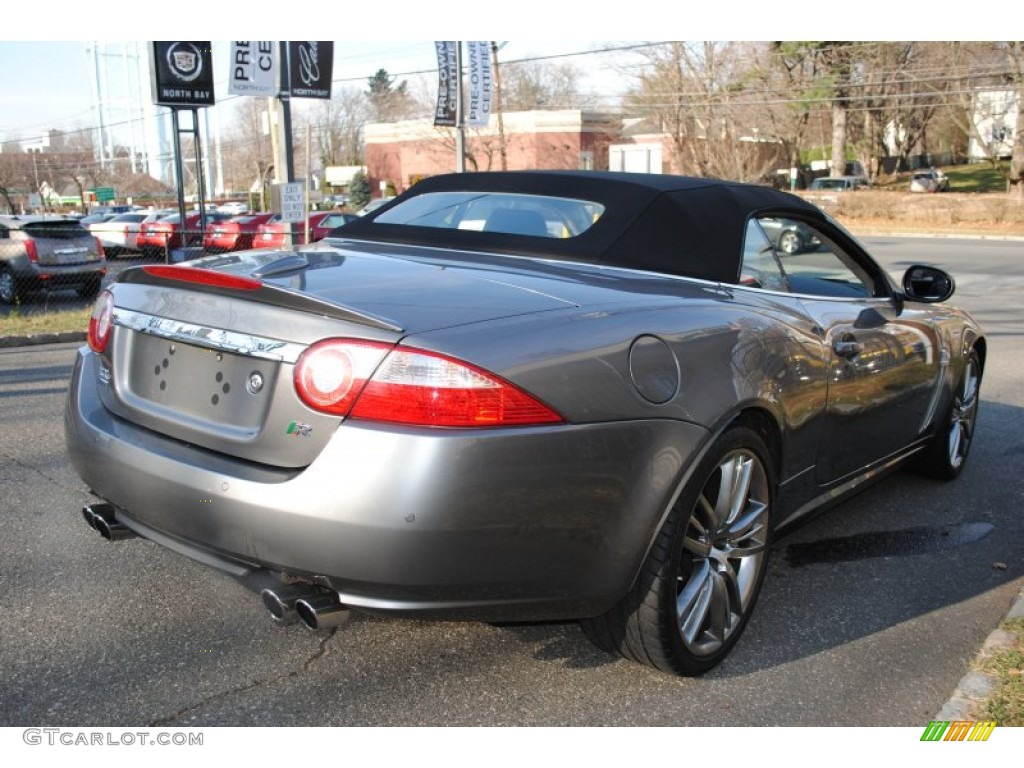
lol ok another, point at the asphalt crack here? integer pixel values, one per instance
(56, 481)
(322, 651)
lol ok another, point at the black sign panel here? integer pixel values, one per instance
(310, 68)
(447, 84)
(182, 74)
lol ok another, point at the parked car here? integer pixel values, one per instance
(48, 253)
(929, 180)
(166, 234)
(117, 232)
(95, 218)
(602, 404)
(327, 224)
(234, 234)
(789, 236)
(272, 233)
(235, 208)
(840, 183)
(100, 210)
(132, 237)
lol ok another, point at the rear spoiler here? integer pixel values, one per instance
(232, 285)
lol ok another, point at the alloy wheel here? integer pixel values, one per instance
(964, 413)
(724, 553)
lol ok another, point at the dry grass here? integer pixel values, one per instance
(1006, 705)
(23, 323)
(950, 212)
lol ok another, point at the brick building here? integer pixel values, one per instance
(401, 153)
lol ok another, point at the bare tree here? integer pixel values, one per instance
(246, 149)
(1015, 61)
(338, 127)
(695, 93)
(540, 85)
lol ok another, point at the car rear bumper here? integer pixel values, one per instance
(35, 276)
(533, 523)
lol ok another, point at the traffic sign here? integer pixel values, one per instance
(103, 194)
(293, 204)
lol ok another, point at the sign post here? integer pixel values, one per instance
(182, 78)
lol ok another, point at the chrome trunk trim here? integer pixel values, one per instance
(212, 338)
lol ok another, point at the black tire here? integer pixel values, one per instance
(947, 451)
(790, 242)
(698, 586)
(9, 293)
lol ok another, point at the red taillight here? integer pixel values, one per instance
(410, 387)
(99, 246)
(30, 251)
(102, 322)
(330, 374)
(203, 277)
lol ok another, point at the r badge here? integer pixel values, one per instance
(299, 429)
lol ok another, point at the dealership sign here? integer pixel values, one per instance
(447, 83)
(481, 88)
(253, 68)
(310, 68)
(182, 74)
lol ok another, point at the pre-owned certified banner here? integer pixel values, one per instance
(447, 84)
(253, 68)
(311, 66)
(481, 85)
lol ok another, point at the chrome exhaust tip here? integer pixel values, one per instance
(101, 518)
(322, 610)
(280, 601)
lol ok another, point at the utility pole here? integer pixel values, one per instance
(460, 114)
(497, 102)
(281, 134)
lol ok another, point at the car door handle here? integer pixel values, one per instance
(846, 346)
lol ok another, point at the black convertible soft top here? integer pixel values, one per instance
(672, 224)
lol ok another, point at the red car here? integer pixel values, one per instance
(166, 234)
(321, 223)
(235, 234)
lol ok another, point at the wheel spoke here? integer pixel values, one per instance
(732, 491)
(719, 611)
(697, 546)
(747, 524)
(693, 601)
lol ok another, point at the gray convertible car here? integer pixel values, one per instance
(520, 396)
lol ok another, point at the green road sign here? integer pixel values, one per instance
(103, 194)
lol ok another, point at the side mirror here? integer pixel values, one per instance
(927, 284)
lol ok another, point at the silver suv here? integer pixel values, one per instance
(48, 253)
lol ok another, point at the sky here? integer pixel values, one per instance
(44, 84)
(51, 89)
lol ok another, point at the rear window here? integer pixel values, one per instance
(56, 230)
(512, 214)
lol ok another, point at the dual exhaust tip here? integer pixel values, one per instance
(315, 606)
(101, 518)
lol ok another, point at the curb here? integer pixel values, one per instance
(974, 688)
(41, 338)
